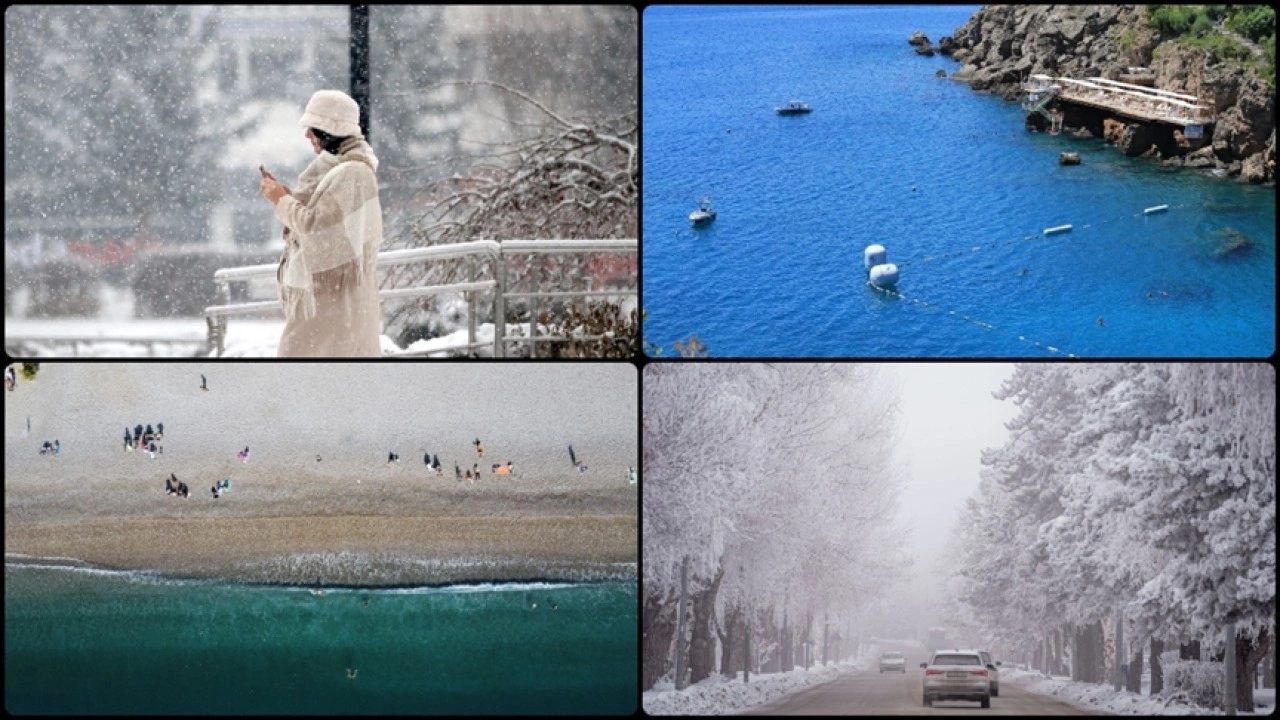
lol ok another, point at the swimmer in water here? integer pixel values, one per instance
(351, 674)
(1100, 322)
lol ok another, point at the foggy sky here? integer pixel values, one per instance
(948, 417)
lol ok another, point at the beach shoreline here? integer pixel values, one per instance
(341, 550)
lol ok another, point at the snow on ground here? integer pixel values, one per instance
(1103, 698)
(187, 338)
(718, 695)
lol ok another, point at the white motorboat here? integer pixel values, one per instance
(704, 214)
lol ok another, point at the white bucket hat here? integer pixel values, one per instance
(333, 112)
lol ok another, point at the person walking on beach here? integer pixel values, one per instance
(159, 431)
(392, 457)
(244, 454)
(57, 448)
(457, 472)
(128, 440)
(10, 378)
(137, 435)
(328, 276)
(479, 448)
(435, 460)
(204, 384)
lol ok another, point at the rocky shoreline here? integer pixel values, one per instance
(1002, 45)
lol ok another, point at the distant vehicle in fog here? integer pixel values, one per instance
(893, 661)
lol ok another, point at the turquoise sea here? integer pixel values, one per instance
(83, 641)
(947, 179)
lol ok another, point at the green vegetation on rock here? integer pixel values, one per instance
(1198, 26)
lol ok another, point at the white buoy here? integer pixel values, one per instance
(885, 275)
(1058, 229)
(1156, 209)
(874, 255)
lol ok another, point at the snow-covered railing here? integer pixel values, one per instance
(491, 251)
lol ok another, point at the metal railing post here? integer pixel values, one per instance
(533, 312)
(471, 307)
(500, 306)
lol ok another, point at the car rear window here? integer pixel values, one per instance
(957, 660)
(893, 655)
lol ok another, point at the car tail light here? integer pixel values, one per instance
(934, 671)
(983, 673)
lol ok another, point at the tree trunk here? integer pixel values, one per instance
(785, 645)
(656, 637)
(702, 651)
(1249, 652)
(1099, 653)
(1269, 672)
(1157, 672)
(1133, 682)
(730, 653)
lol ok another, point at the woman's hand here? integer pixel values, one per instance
(272, 190)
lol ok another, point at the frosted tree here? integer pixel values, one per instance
(1209, 499)
(771, 480)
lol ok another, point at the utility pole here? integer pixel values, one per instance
(680, 613)
(359, 47)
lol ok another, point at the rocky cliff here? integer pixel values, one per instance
(1001, 45)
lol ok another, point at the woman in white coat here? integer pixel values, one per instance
(328, 275)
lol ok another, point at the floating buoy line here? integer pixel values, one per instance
(1050, 232)
(965, 318)
(883, 276)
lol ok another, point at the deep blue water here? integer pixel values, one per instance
(780, 271)
(92, 642)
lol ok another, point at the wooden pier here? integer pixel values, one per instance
(1125, 99)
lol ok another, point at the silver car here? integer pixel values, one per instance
(995, 672)
(893, 661)
(956, 675)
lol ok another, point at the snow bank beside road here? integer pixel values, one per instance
(1102, 698)
(718, 695)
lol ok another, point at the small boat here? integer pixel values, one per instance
(795, 107)
(704, 214)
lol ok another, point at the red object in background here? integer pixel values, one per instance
(610, 269)
(110, 253)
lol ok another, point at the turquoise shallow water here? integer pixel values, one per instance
(780, 271)
(90, 642)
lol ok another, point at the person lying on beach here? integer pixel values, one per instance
(244, 454)
(46, 448)
(507, 469)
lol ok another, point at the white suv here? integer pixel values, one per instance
(956, 675)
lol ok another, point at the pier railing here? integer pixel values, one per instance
(1137, 101)
(477, 287)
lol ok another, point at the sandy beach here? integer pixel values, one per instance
(317, 501)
